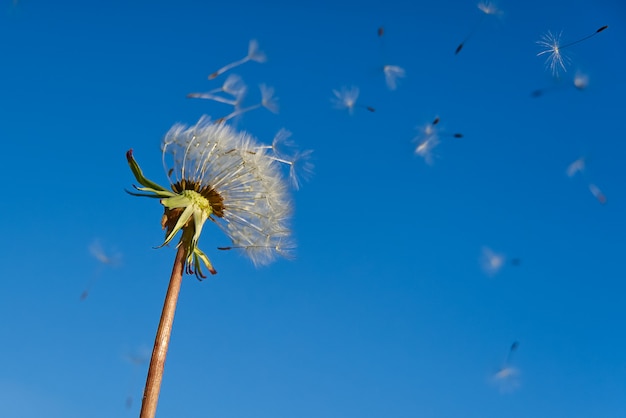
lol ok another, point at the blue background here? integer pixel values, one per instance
(386, 311)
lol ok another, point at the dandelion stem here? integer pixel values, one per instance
(161, 342)
(584, 39)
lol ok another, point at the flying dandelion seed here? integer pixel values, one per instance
(268, 101)
(346, 98)
(300, 166)
(555, 59)
(136, 360)
(392, 74)
(597, 193)
(580, 82)
(233, 86)
(580, 166)
(111, 259)
(428, 139)
(491, 262)
(254, 54)
(487, 8)
(506, 378)
(575, 167)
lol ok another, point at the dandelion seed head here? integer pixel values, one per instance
(392, 73)
(240, 180)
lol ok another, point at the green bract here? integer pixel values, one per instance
(186, 211)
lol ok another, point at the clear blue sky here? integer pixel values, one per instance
(386, 311)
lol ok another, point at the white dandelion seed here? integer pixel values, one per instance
(254, 54)
(555, 60)
(506, 378)
(346, 98)
(233, 86)
(581, 81)
(428, 139)
(425, 148)
(268, 101)
(597, 193)
(488, 8)
(106, 258)
(285, 152)
(575, 167)
(392, 73)
(136, 359)
(491, 262)
(580, 166)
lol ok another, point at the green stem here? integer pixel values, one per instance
(161, 342)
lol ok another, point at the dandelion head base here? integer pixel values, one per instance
(214, 199)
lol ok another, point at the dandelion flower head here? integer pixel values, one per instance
(220, 174)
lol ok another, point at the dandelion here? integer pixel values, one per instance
(392, 73)
(555, 60)
(506, 377)
(233, 86)
(491, 262)
(106, 258)
(220, 175)
(488, 8)
(254, 54)
(346, 98)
